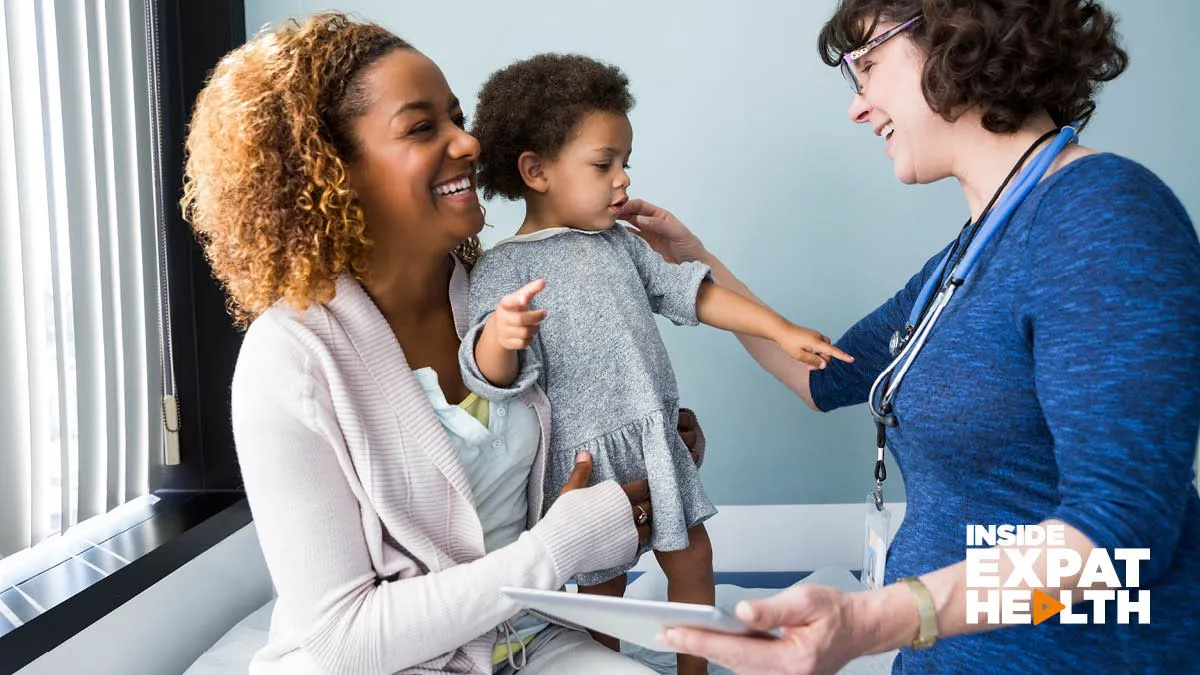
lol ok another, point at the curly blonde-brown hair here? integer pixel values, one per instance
(265, 185)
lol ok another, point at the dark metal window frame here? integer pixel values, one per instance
(204, 342)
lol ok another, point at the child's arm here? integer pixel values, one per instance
(684, 294)
(494, 281)
(508, 330)
(721, 308)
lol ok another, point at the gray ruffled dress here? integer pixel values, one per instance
(602, 363)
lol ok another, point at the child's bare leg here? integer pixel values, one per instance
(690, 579)
(614, 587)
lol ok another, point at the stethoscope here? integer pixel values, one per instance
(960, 262)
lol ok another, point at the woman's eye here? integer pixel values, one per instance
(626, 166)
(602, 167)
(460, 121)
(866, 67)
(421, 128)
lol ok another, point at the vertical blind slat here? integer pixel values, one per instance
(151, 458)
(74, 45)
(14, 409)
(133, 344)
(60, 259)
(30, 146)
(110, 271)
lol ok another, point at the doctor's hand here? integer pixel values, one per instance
(822, 630)
(638, 493)
(663, 231)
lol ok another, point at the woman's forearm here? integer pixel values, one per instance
(766, 353)
(890, 614)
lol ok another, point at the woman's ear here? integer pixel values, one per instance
(533, 171)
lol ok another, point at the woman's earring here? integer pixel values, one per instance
(485, 222)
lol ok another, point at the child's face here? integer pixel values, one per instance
(587, 180)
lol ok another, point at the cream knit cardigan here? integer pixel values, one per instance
(363, 509)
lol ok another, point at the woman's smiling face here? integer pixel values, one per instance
(414, 170)
(893, 103)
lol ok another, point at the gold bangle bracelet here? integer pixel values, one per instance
(928, 634)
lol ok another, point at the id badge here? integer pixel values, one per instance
(875, 543)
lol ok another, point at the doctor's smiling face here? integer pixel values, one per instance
(890, 99)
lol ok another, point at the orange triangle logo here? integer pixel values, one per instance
(1044, 607)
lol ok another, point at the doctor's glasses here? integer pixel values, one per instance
(848, 59)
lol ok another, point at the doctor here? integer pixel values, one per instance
(1040, 370)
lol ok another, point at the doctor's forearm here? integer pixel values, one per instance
(890, 614)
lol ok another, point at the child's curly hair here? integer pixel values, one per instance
(533, 105)
(1013, 58)
(265, 185)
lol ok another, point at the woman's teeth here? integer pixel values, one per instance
(460, 185)
(887, 132)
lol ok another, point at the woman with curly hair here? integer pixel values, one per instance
(1039, 370)
(332, 185)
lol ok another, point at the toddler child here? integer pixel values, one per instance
(568, 303)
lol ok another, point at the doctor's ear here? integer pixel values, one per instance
(533, 171)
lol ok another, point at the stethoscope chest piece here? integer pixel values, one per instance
(899, 339)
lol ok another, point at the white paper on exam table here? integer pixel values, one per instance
(633, 621)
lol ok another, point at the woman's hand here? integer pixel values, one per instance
(822, 630)
(689, 431)
(663, 231)
(638, 493)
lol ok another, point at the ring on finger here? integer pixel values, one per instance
(643, 516)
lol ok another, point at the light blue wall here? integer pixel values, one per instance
(741, 131)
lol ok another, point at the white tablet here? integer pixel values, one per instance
(634, 621)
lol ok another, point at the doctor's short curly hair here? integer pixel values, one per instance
(534, 105)
(265, 184)
(1012, 58)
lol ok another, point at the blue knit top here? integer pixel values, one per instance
(1063, 381)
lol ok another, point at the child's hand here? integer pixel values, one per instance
(513, 323)
(810, 347)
